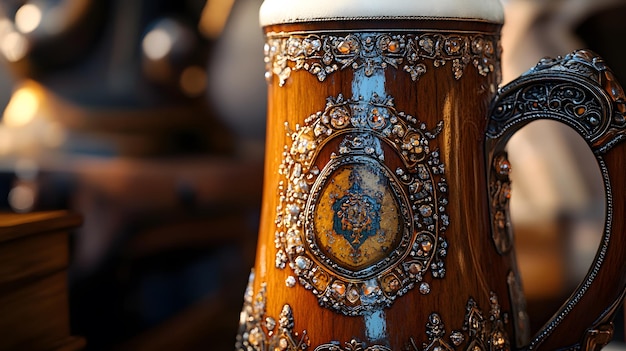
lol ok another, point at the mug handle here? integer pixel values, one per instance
(581, 92)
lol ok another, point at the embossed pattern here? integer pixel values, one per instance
(500, 192)
(258, 331)
(480, 332)
(570, 96)
(323, 54)
(357, 233)
(577, 90)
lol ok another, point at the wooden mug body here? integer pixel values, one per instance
(375, 231)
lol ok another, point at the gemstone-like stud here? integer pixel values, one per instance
(424, 288)
(352, 295)
(456, 338)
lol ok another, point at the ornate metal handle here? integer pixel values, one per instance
(581, 92)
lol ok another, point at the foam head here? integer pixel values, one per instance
(294, 11)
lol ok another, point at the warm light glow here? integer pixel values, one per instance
(6, 141)
(193, 80)
(214, 16)
(157, 44)
(22, 107)
(28, 18)
(6, 26)
(55, 135)
(13, 46)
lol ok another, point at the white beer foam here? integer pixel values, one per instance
(293, 11)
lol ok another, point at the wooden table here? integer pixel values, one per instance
(33, 281)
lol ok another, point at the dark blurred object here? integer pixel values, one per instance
(237, 68)
(603, 31)
(162, 270)
(42, 36)
(111, 117)
(33, 281)
(131, 74)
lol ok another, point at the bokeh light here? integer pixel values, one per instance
(193, 80)
(22, 107)
(28, 18)
(22, 198)
(157, 44)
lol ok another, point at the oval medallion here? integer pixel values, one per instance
(364, 225)
(357, 224)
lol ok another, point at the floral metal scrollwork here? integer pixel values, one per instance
(500, 192)
(352, 345)
(354, 231)
(260, 332)
(568, 96)
(579, 91)
(486, 334)
(480, 332)
(323, 54)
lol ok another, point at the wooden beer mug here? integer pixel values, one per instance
(385, 221)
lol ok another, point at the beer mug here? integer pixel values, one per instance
(385, 219)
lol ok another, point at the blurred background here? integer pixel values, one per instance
(147, 117)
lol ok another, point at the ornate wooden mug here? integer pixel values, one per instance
(385, 222)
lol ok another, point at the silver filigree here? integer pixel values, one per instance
(577, 90)
(480, 331)
(259, 332)
(356, 133)
(486, 333)
(323, 54)
(352, 345)
(435, 331)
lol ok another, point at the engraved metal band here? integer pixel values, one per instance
(321, 54)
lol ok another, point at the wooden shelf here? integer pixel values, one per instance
(33, 281)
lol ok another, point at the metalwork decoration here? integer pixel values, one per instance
(478, 333)
(435, 330)
(581, 92)
(257, 331)
(500, 192)
(598, 338)
(355, 232)
(481, 334)
(486, 334)
(352, 345)
(323, 54)
(570, 97)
